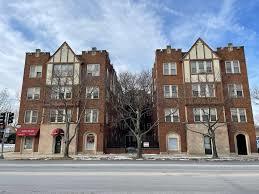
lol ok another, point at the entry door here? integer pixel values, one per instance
(58, 144)
(172, 144)
(241, 145)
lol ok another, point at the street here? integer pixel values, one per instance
(128, 177)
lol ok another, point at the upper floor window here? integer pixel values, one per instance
(35, 71)
(205, 114)
(172, 115)
(91, 115)
(31, 116)
(63, 70)
(232, 66)
(235, 90)
(92, 92)
(170, 91)
(93, 69)
(201, 67)
(238, 114)
(59, 115)
(203, 90)
(64, 92)
(33, 93)
(169, 69)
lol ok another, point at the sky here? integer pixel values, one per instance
(131, 30)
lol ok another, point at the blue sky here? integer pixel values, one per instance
(129, 30)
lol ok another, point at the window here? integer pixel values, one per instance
(235, 90)
(33, 93)
(232, 67)
(59, 115)
(61, 92)
(173, 143)
(207, 145)
(28, 143)
(203, 90)
(170, 91)
(205, 114)
(201, 67)
(92, 92)
(169, 69)
(35, 71)
(63, 70)
(172, 115)
(31, 116)
(238, 114)
(93, 69)
(91, 116)
(90, 142)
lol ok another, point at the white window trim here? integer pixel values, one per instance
(171, 91)
(207, 91)
(65, 90)
(61, 72)
(170, 68)
(235, 90)
(232, 67)
(31, 112)
(91, 72)
(198, 69)
(92, 94)
(238, 115)
(201, 111)
(175, 112)
(176, 136)
(56, 115)
(91, 115)
(33, 93)
(34, 74)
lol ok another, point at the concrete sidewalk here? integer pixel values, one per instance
(36, 156)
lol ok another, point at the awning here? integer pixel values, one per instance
(57, 131)
(27, 131)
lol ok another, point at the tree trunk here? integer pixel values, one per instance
(214, 147)
(139, 150)
(66, 150)
(66, 142)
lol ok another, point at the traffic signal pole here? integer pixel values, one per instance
(3, 137)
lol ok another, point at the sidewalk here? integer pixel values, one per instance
(36, 156)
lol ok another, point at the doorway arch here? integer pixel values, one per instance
(241, 144)
(90, 142)
(58, 144)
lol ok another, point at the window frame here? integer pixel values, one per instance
(170, 91)
(197, 63)
(31, 116)
(88, 88)
(90, 71)
(235, 86)
(175, 111)
(57, 115)
(91, 115)
(231, 62)
(33, 93)
(207, 91)
(35, 73)
(201, 114)
(237, 110)
(170, 68)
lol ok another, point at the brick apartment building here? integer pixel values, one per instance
(42, 121)
(187, 83)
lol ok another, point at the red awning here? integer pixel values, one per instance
(27, 131)
(57, 131)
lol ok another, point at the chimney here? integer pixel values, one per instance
(94, 50)
(168, 49)
(230, 47)
(38, 52)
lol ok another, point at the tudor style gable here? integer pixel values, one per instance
(201, 63)
(63, 56)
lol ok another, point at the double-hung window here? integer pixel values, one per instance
(238, 114)
(203, 90)
(92, 92)
(35, 71)
(205, 114)
(93, 69)
(63, 70)
(61, 92)
(170, 91)
(201, 67)
(232, 66)
(59, 115)
(31, 116)
(235, 90)
(91, 115)
(169, 69)
(172, 115)
(33, 93)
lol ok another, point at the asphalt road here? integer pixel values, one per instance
(128, 177)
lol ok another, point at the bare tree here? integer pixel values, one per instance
(5, 101)
(67, 101)
(208, 108)
(135, 102)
